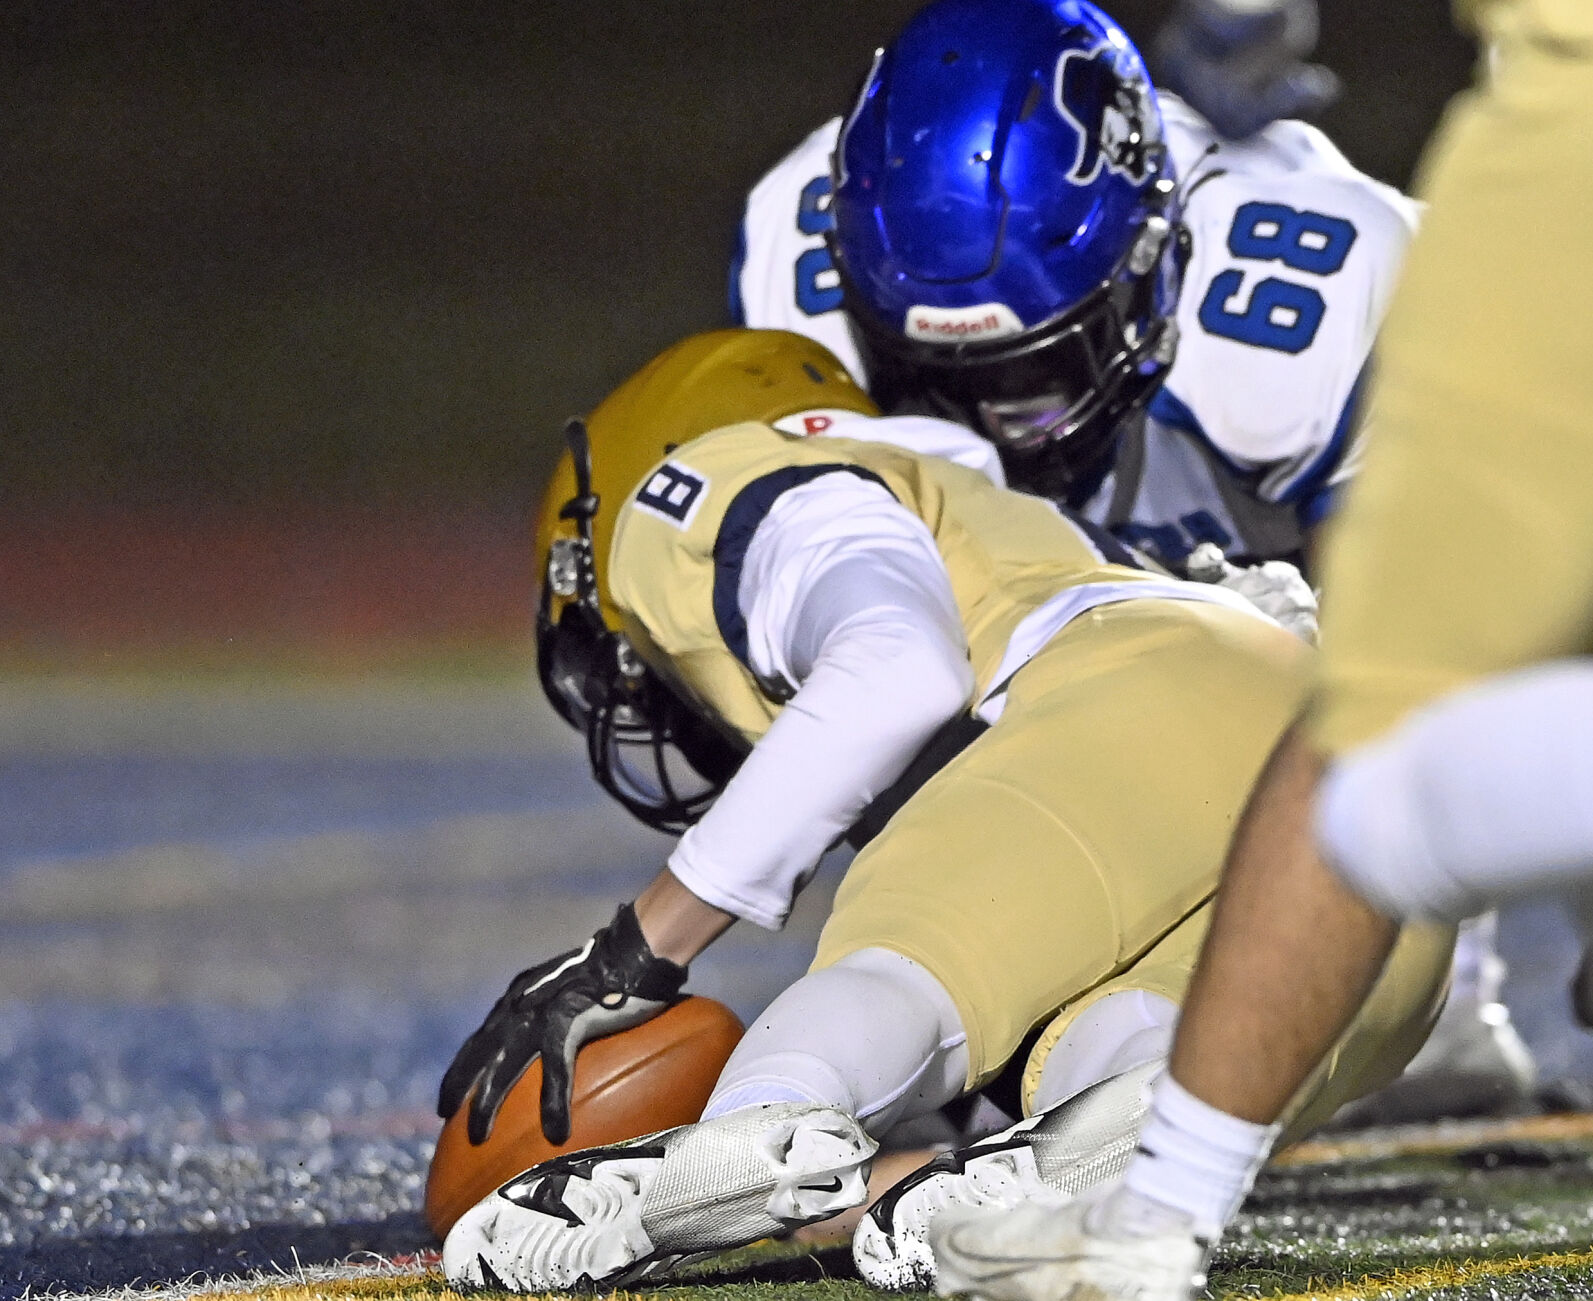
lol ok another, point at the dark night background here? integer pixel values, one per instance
(297, 294)
(352, 252)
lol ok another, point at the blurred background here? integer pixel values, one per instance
(298, 294)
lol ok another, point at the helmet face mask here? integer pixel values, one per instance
(645, 745)
(1007, 231)
(654, 748)
(1055, 396)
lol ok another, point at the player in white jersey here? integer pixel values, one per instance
(1231, 417)
(1293, 253)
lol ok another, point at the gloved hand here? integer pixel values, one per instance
(1243, 66)
(610, 983)
(1276, 587)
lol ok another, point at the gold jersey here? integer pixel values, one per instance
(1563, 23)
(681, 536)
(1050, 862)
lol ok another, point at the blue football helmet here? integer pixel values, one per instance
(1007, 230)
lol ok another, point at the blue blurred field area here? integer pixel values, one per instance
(77, 805)
(244, 924)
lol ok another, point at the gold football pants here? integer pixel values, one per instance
(1391, 1025)
(1466, 545)
(1063, 845)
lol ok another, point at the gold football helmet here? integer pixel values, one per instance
(647, 747)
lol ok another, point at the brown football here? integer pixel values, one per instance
(653, 1076)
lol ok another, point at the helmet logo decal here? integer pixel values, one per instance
(820, 420)
(672, 493)
(1105, 96)
(960, 324)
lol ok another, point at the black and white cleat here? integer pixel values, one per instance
(1048, 1158)
(608, 1216)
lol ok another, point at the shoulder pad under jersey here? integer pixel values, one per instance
(1295, 255)
(783, 278)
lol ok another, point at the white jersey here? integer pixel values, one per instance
(1295, 256)
(783, 278)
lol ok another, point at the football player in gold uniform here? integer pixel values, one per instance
(762, 634)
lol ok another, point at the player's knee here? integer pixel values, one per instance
(873, 1033)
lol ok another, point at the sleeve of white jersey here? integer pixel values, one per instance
(783, 277)
(846, 599)
(1295, 256)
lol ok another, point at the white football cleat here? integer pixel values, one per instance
(1050, 1157)
(1473, 1064)
(608, 1215)
(1053, 1253)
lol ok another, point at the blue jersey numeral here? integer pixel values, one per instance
(813, 208)
(1282, 315)
(818, 287)
(1303, 241)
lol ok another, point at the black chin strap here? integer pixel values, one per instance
(631, 720)
(582, 508)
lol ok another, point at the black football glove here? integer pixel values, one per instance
(610, 983)
(1243, 70)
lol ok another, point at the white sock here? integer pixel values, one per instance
(1196, 1159)
(874, 1034)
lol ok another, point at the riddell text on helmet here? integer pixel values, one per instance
(982, 321)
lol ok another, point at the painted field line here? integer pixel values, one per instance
(1428, 1277)
(408, 1278)
(1444, 1136)
(360, 1277)
(431, 1287)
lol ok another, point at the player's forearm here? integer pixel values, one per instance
(1291, 955)
(676, 923)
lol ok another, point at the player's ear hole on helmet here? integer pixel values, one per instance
(571, 660)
